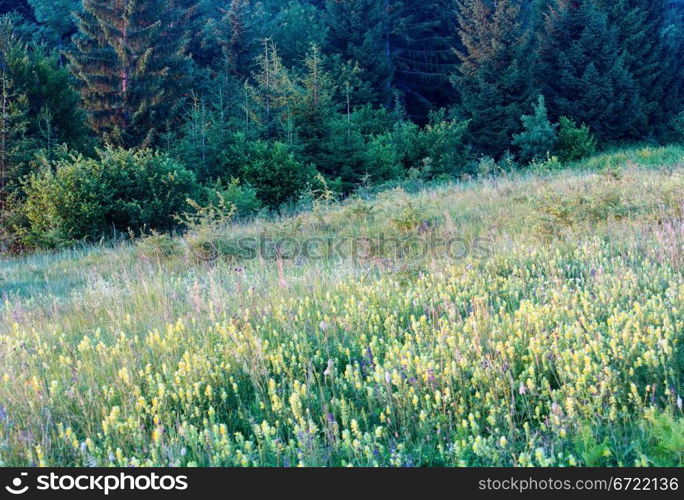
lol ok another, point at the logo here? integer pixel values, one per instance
(15, 488)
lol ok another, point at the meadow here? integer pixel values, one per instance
(554, 337)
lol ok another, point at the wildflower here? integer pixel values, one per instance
(329, 369)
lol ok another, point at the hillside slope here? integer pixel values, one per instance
(534, 319)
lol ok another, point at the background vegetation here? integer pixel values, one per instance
(275, 97)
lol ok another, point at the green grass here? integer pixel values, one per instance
(561, 344)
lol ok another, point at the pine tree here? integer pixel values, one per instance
(314, 106)
(581, 70)
(493, 79)
(270, 98)
(539, 136)
(130, 58)
(234, 31)
(641, 37)
(422, 49)
(14, 146)
(359, 31)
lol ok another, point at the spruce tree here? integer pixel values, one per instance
(314, 106)
(359, 31)
(539, 136)
(422, 49)
(270, 98)
(493, 79)
(234, 36)
(14, 145)
(641, 36)
(130, 59)
(582, 72)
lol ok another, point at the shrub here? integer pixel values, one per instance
(243, 197)
(275, 173)
(437, 149)
(445, 145)
(121, 190)
(538, 139)
(574, 142)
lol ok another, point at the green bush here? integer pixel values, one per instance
(243, 197)
(121, 190)
(574, 142)
(538, 139)
(275, 173)
(437, 149)
(445, 145)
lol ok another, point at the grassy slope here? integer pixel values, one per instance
(564, 347)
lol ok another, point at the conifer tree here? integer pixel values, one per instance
(234, 38)
(314, 106)
(422, 42)
(14, 145)
(130, 58)
(641, 36)
(271, 97)
(359, 31)
(539, 135)
(493, 79)
(581, 70)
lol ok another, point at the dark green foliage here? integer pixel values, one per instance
(574, 142)
(493, 79)
(14, 144)
(82, 198)
(582, 71)
(243, 197)
(293, 26)
(130, 58)
(404, 49)
(37, 74)
(275, 173)
(56, 18)
(437, 149)
(19, 6)
(235, 36)
(539, 136)
(257, 97)
(359, 31)
(641, 32)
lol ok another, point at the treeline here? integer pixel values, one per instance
(113, 117)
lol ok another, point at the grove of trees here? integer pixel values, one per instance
(263, 101)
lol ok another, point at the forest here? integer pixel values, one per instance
(121, 116)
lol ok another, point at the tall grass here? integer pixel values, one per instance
(561, 344)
